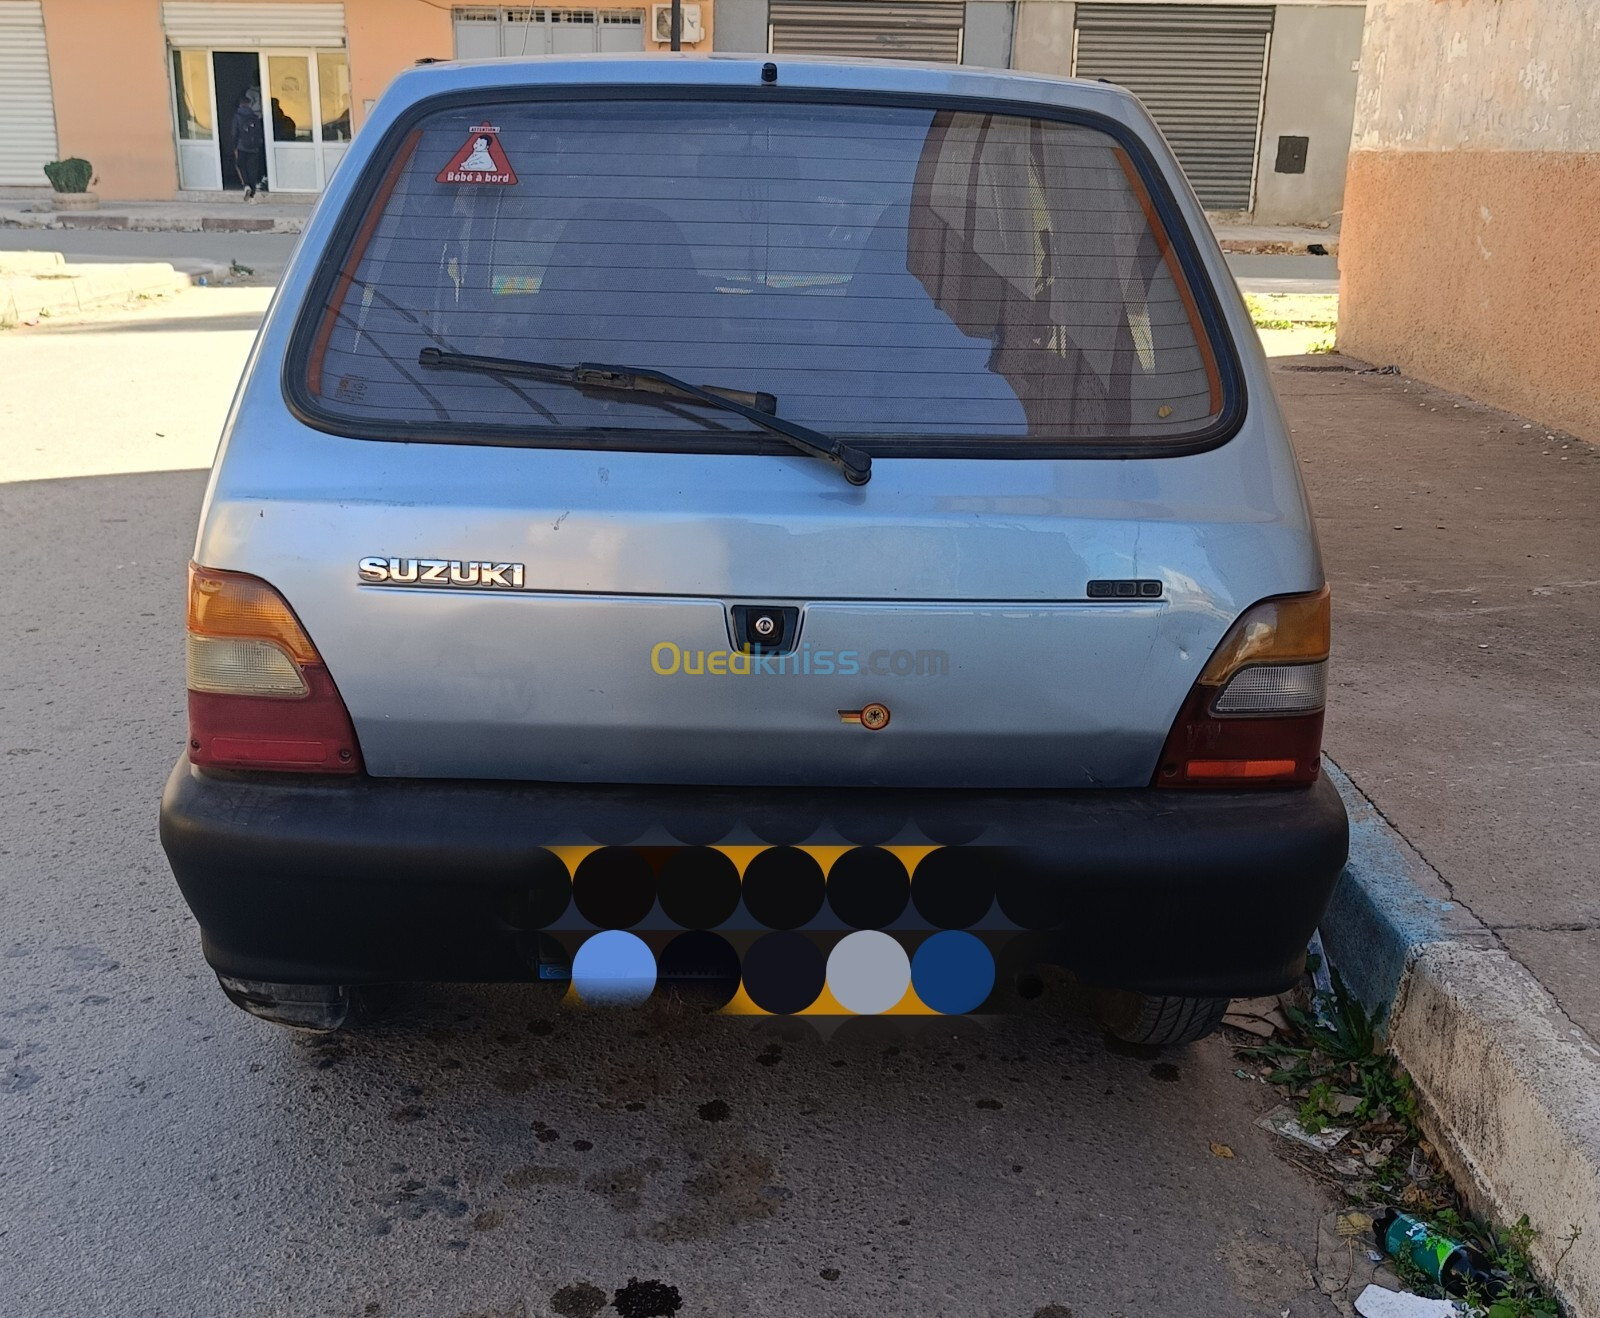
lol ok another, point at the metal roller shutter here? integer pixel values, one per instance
(27, 112)
(1199, 69)
(882, 29)
(239, 26)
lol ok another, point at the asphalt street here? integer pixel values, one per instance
(267, 253)
(481, 1150)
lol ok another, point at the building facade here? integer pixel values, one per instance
(1257, 99)
(146, 89)
(1467, 253)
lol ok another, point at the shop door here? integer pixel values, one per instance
(1200, 70)
(194, 110)
(290, 122)
(305, 103)
(877, 29)
(293, 50)
(233, 74)
(27, 112)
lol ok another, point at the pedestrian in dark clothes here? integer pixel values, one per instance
(249, 143)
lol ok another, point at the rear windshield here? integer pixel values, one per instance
(888, 273)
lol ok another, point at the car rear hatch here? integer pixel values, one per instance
(514, 578)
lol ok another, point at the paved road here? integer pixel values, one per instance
(481, 1152)
(267, 253)
(1461, 545)
(1285, 274)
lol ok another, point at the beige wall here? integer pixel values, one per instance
(1467, 253)
(386, 36)
(112, 93)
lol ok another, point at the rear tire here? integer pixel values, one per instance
(314, 1008)
(1156, 1020)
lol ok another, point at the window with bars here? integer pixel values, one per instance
(486, 32)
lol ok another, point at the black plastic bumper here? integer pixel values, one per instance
(301, 880)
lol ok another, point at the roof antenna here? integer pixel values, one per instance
(769, 72)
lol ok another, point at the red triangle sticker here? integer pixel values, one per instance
(481, 160)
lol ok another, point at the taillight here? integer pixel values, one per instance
(260, 696)
(1254, 716)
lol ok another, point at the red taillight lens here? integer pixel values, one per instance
(1254, 717)
(260, 696)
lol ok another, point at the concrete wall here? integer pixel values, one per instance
(1311, 93)
(1467, 255)
(987, 41)
(1044, 36)
(741, 26)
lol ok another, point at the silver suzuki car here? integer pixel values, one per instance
(814, 537)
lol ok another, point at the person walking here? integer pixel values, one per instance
(249, 143)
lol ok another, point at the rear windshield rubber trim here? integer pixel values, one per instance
(305, 408)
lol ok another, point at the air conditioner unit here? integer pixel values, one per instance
(661, 23)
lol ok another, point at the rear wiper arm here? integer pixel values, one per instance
(754, 407)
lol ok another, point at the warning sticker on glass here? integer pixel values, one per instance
(481, 160)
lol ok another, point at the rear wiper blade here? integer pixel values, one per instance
(757, 408)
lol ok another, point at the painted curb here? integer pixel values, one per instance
(181, 223)
(1510, 1085)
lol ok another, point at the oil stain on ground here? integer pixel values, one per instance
(647, 1299)
(582, 1299)
(733, 1187)
(620, 1186)
(526, 1178)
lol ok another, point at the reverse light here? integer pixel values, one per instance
(260, 696)
(1254, 716)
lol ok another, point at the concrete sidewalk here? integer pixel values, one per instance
(1464, 551)
(35, 285)
(229, 214)
(1276, 239)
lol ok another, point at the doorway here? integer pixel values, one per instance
(305, 99)
(235, 73)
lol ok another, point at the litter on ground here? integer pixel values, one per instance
(1282, 1121)
(1375, 1302)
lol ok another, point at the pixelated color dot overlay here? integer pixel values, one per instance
(867, 972)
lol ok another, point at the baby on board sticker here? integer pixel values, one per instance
(480, 160)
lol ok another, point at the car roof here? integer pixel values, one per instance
(718, 71)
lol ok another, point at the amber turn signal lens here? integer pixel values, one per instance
(1286, 630)
(260, 697)
(232, 604)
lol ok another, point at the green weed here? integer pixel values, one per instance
(1343, 1054)
(1347, 1058)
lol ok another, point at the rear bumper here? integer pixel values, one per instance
(301, 880)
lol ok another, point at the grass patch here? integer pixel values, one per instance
(1287, 311)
